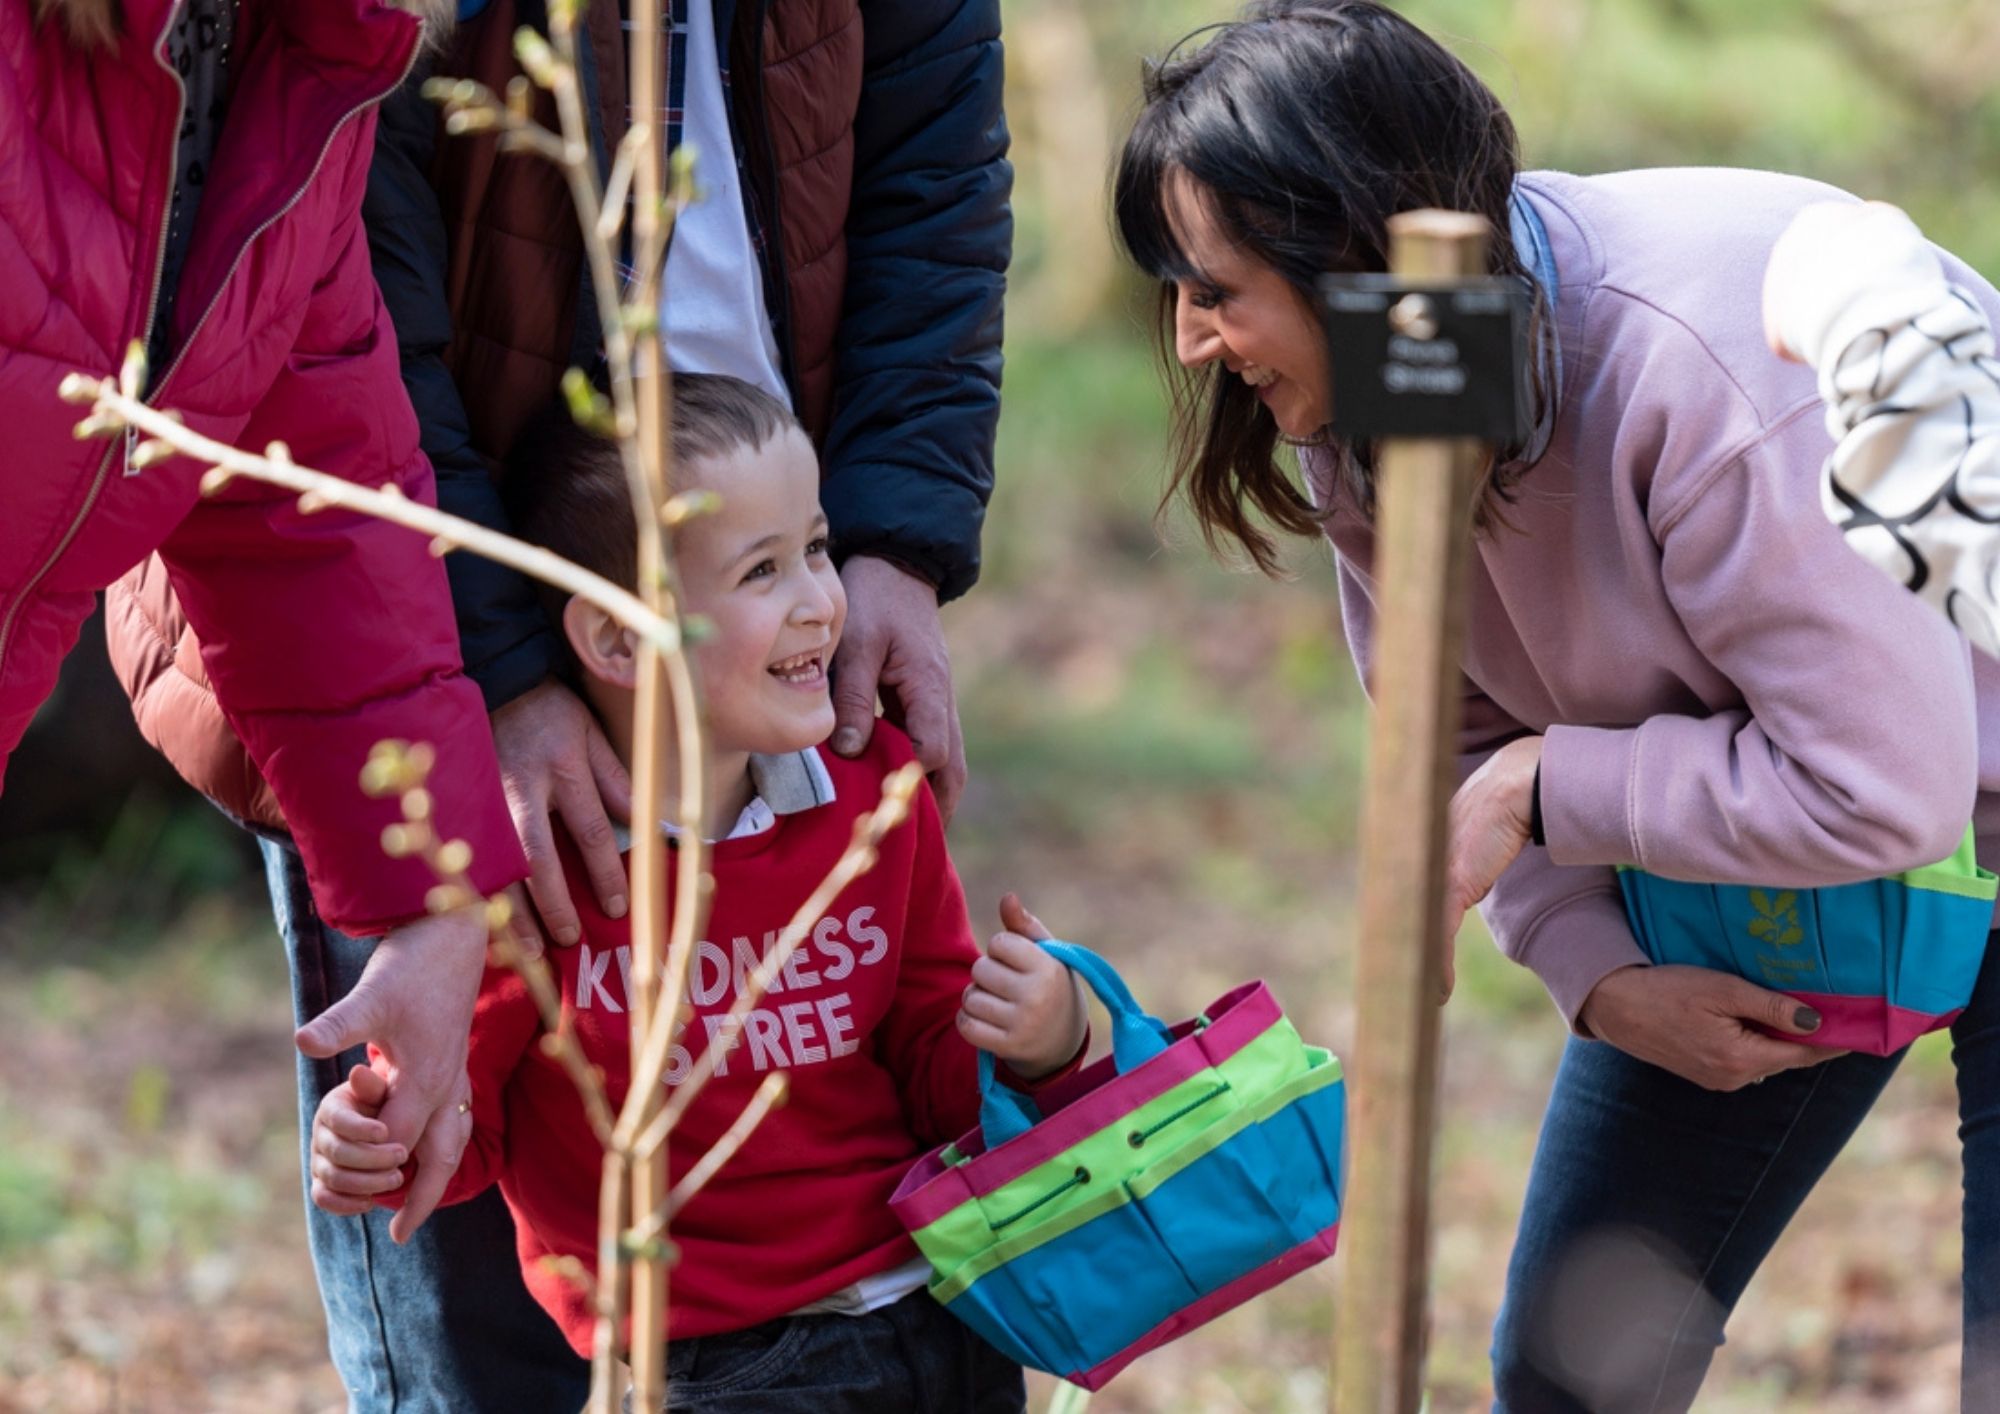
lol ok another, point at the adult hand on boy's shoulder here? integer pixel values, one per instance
(414, 1003)
(556, 760)
(893, 647)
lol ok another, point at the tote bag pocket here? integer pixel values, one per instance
(1882, 960)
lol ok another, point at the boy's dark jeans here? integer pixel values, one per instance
(443, 1324)
(1652, 1203)
(913, 1357)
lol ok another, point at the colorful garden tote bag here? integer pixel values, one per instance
(1882, 961)
(1193, 1168)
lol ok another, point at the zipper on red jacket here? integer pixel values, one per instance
(130, 439)
(125, 443)
(104, 467)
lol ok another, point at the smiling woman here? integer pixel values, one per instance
(1671, 664)
(1245, 178)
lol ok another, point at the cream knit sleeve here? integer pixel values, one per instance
(1906, 366)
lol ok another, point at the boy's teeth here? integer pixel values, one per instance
(802, 668)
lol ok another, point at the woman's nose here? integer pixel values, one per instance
(1196, 340)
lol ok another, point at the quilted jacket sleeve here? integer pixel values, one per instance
(909, 457)
(507, 642)
(323, 634)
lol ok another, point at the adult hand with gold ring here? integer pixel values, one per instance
(414, 1005)
(354, 1159)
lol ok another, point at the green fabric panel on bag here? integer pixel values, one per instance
(1026, 1239)
(1207, 1097)
(1061, 1219)
(1326, 1071)
(1959, 874)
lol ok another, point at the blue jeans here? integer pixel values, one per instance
(913, 1357)
(442, 1324)
(1652, 1202)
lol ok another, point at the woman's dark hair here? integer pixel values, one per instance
(1304, 126)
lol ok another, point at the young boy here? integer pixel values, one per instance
(1906, 366)
(795, 1287)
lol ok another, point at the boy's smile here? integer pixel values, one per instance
(808, 670)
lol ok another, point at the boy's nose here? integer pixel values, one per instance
(815, 604)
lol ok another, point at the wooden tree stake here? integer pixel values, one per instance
(1423, 506)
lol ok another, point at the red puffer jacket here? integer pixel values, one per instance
(321, 634)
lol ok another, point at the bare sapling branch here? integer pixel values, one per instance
(399, 769)
(768, 1096)
(612, 1284)
(112, 410)
(648, 392)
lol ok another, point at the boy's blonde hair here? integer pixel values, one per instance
(564, 488)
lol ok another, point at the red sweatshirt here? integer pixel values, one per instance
(863, 1016)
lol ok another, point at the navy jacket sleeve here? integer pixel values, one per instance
(909, 457)
(506, 641)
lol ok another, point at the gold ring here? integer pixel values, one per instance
(465, 1107)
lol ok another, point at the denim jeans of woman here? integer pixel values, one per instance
(1652, 1202)
(442, 1324)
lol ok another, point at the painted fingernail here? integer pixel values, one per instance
(847, 741)
(615, 906)
(1806, 1019)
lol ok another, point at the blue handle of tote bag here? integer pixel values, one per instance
(1136, 1037)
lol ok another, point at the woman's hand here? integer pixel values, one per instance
(1703, 1026)
(1023, 1006)
(1491, 817)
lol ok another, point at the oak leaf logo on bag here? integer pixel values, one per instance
(1778, 918)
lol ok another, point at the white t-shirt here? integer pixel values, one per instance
(714, 312)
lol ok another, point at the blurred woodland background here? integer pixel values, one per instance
(1165, 760)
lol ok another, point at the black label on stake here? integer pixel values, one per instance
(1427, 359)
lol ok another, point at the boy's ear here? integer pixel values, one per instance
(607, 649)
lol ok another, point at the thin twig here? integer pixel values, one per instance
(649, 391)
(858, 858)
(611, 219)
(113, 411)
(768, 1097)
(611, 1283)
(404, 772)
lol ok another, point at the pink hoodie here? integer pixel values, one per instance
(1726, 692)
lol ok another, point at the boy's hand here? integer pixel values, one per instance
(352, 1158)
(1023, 1006)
